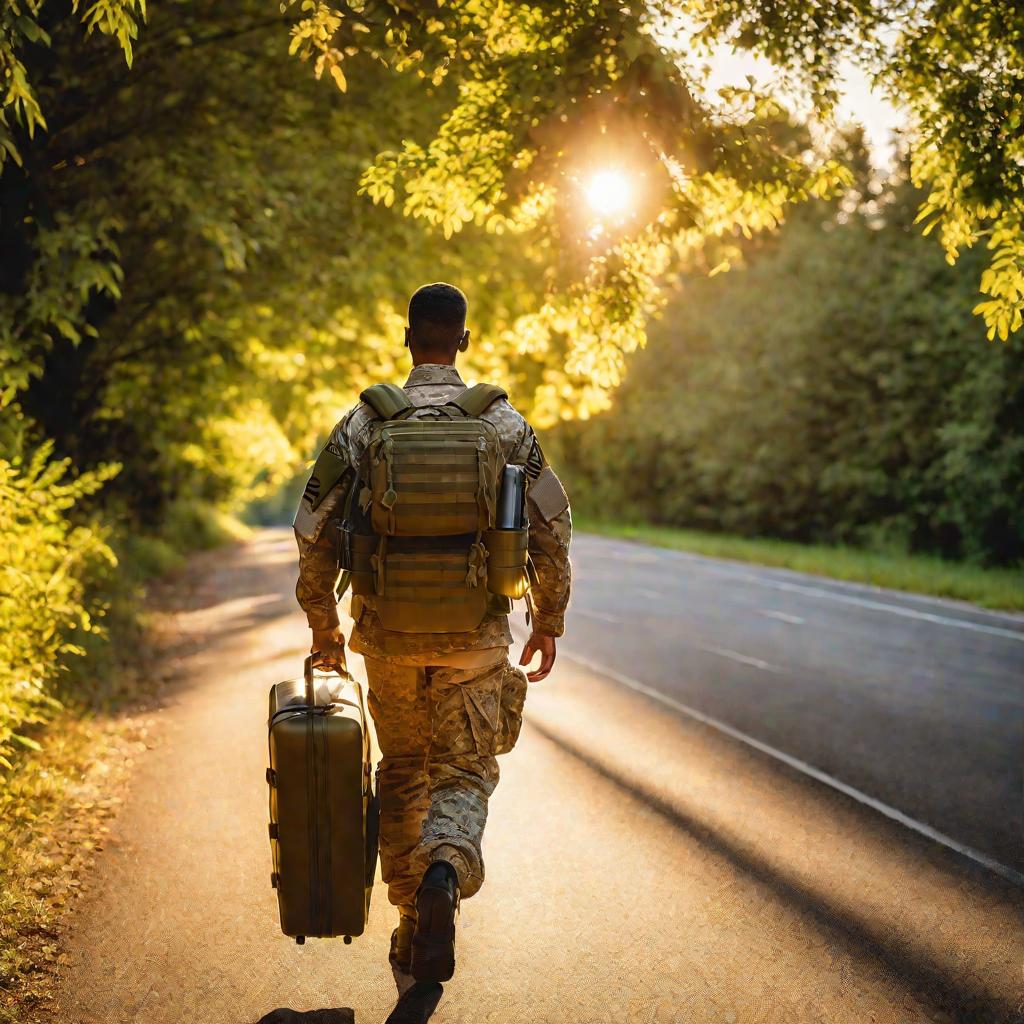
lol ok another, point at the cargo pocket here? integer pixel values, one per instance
(510, 710)
(469, 721)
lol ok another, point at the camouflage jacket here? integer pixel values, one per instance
(316, 530)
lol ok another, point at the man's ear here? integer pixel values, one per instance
(464, 344)
(408, 334)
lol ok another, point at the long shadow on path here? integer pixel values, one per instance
(415, 1005)
(960, 999)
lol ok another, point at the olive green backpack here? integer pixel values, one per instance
(426, 501)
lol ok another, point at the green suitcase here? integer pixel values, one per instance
(323, 809)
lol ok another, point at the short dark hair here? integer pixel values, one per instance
(439, 305)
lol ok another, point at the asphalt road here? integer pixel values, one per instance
(914, 702)
(642, 866)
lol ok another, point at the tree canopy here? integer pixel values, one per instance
(826, 391)
(488, 114)
(531, 79)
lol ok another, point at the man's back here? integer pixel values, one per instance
(446, 703)
(550, 530)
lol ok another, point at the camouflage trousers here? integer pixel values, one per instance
(439, 729)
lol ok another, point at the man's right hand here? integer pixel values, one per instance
(329, 649)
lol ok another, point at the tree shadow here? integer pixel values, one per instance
(961, 999)
(285, 1016)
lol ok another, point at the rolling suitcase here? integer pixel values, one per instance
(323, 810)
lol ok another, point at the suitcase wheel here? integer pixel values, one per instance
(274, 879)
(348, 940)
(271, 777)
(300, 940)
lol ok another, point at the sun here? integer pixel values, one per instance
(609, 192)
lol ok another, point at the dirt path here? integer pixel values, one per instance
(639, 869)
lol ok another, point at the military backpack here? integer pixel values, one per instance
(419, 526)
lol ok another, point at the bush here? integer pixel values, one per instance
(46, 563)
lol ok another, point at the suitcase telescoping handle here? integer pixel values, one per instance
(308, 667)
(307, 671)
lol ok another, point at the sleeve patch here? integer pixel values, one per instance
(548, 494)
(329, 468)
(534, 461)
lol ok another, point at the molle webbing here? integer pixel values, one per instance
(431, 545)
(431, 477)
(425, 591)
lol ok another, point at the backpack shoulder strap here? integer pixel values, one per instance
(473, 401)
(386, 400)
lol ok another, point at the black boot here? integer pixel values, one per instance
(433, 942)
(401, 944)
(417, 1005)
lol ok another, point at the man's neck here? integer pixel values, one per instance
(431, 361)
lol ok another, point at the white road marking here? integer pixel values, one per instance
(721, 652)
(743, 659)
(600, 616)
(793, 620)
(895, 609)
(650, 595)
(1003, 870)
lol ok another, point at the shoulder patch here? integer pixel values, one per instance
(548, 494)
(329, 468)
(534, 463)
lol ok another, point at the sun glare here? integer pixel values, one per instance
(609, 192)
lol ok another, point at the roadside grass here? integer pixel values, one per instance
(1001, 589)
(56, 801)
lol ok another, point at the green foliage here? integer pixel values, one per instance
(962, 74)
(529, 83)
(185, 291)
(957, 67)
(278, 508)
(833, 390)
(43, 563)
(21, 27)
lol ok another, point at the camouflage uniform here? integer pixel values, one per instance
(444, 704)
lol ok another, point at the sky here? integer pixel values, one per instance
(860, 103)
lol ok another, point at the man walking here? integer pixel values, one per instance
(443, 695)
